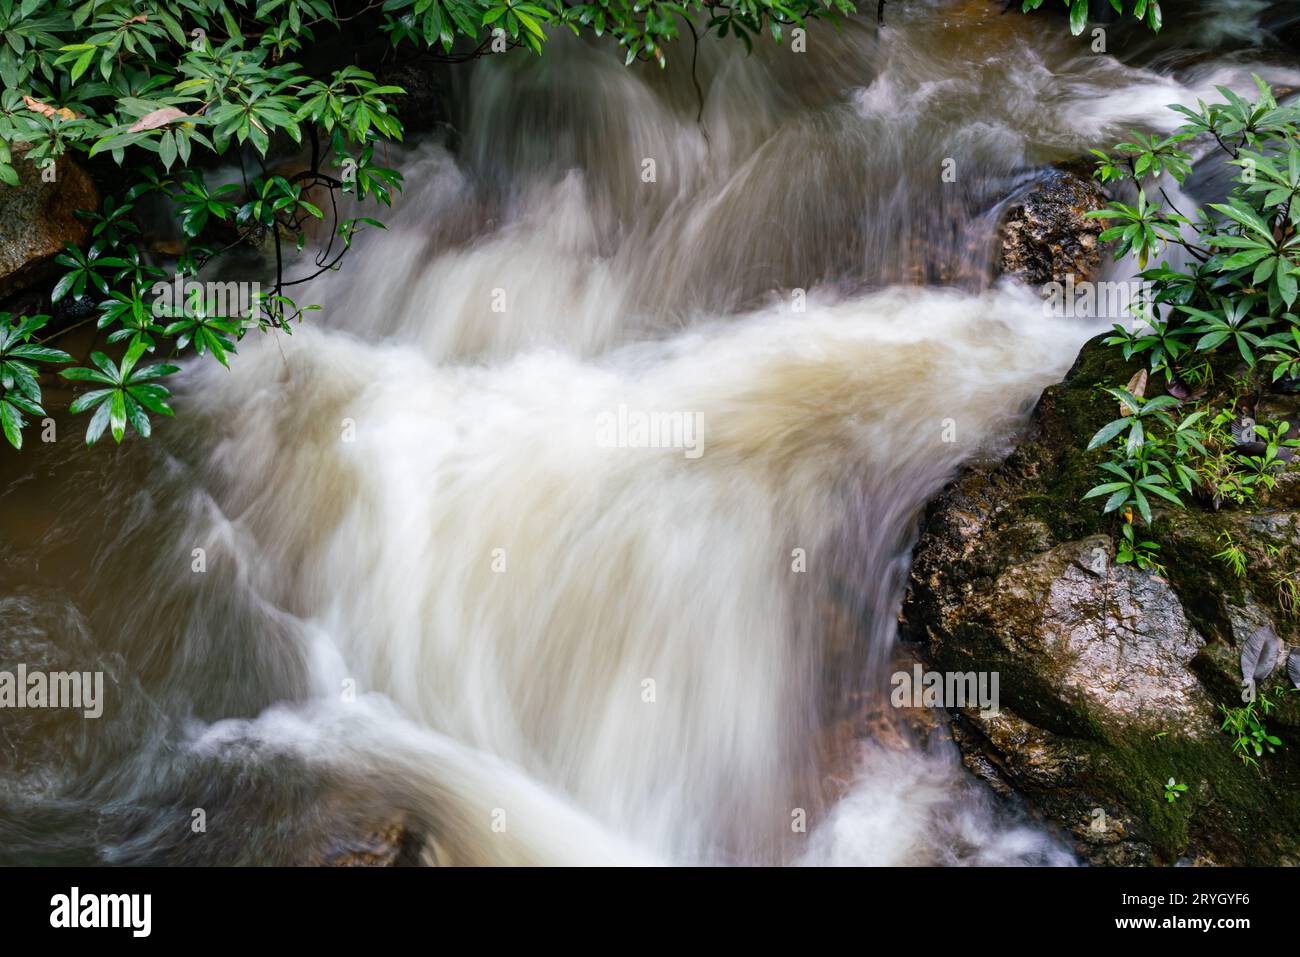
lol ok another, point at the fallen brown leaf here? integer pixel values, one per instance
(36, 106)
(159, 117)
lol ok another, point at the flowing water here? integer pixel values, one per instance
(430, 589)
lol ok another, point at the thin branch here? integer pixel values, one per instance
(1170, 203)
(63, 332)
(699, 92)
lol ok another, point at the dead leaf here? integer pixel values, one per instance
(138, 18)
(47, 111)
(1136, 387)
(1259, 656)
(159, 117)
(1138, 384)
(1181, 391)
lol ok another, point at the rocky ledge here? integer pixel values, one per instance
(1112, 678)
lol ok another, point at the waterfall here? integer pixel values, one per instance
(575, 529)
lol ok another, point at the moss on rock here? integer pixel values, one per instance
(1111, 678)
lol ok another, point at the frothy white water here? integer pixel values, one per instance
(451, 789)
(623, 625)
(904, 810)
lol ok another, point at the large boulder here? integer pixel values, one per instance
(39, 216)
(1111, 677)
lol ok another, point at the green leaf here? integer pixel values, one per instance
(1143, 506)
(87, 375)
(117, 415)
(62, 287)
(1135, 438)
(167, 149)
(89, 400)
(98, 422)
(1107, 489)
(40, 354)
(1109, 431)
(138, 419)
(152, 398)
(83, 62)
(12, 422)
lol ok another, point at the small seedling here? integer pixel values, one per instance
(1232, 555)
(1141, 554)
(1251, 739)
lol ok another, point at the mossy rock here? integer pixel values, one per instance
(1111, 678)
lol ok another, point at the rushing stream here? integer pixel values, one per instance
(430, 588)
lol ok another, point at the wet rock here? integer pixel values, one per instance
(425, 106)
(1017, 749)
(1281, 22)
(1113, 642)
(392, 844)
(1111, 678)
(1046, 236)
(39, 217)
